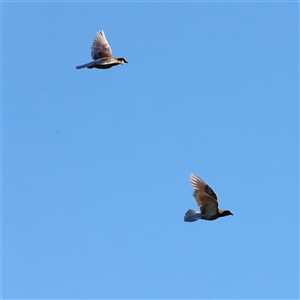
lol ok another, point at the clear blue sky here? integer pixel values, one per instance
(96, 163)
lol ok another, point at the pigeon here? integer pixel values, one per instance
(207, 200)
(102, 54)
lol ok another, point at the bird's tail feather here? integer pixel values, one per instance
(80, 67)
(85, 65)
(192, 215)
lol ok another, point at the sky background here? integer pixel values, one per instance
(96, 163)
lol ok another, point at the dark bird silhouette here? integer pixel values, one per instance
(102, 54)
(207, 200)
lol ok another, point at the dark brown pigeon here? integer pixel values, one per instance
(207, 200)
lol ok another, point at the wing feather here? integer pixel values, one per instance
(100, 47)
(205, 197)
(199, 185)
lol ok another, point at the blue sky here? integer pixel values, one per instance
(96, 163)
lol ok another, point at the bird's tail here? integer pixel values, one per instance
(88, 65)
(192, 215)
(81, 67)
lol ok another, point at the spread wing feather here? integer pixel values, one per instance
(205, 197)
(100, 47)
(199, 185)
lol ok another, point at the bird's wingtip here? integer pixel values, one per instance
(192, 175)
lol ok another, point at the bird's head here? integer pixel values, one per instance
(227, 213)
(122, 60)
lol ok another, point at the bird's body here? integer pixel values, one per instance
(207, 200)
(102, 63)
(102, 54)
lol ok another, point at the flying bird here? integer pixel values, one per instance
(207, 200)
(102, 54)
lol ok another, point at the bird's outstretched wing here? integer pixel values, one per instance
(100, 47)
(200, 185)
(206, 198)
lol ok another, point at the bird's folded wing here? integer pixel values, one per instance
(100, 47)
